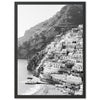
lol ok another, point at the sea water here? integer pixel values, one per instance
(23, 73)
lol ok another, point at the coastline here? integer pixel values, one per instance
(48, 89)
(33, 90)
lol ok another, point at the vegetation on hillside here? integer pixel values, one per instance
(39, 36)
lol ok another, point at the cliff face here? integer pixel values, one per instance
(39, 36)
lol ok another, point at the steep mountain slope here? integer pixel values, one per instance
(37, 37)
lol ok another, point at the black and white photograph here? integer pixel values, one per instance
(50, 44)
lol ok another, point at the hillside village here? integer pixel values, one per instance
(62, 65)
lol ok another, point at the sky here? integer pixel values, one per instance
(30, 15)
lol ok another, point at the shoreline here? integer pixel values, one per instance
(33, 90)
(48, 89)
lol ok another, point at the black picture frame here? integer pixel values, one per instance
(16, 42)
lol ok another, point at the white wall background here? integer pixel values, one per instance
(7, 49)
